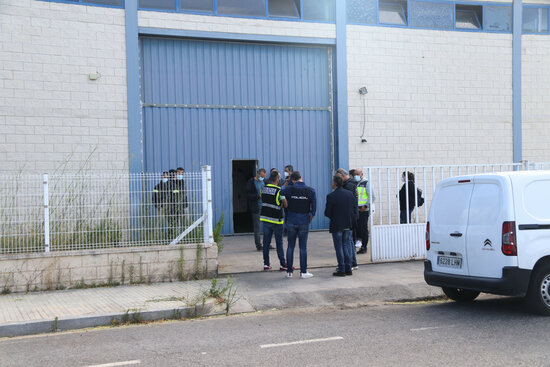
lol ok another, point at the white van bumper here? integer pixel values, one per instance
(514, 281)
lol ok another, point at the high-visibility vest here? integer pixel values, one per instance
(362, 195)
(271, 212)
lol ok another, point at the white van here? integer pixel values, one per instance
(491, 233)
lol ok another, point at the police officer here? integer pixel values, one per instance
(271, 217)
(302, 205)
(363, 203)
(351, 185)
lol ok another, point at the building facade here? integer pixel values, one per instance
(144, 86)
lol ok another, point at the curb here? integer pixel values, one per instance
(65, 324)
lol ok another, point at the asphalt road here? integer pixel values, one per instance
(492, 331)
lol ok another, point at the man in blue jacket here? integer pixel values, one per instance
(302, 205)
(341, 208)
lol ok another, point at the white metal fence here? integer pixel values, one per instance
(390, 238)
(42, 213)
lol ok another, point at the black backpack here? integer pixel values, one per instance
(419, 197)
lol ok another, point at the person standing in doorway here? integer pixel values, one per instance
(302, 205)
(351, 185)
(271, 216)
(408, 186)
(254, 188)
(363, 203)
(341, 209)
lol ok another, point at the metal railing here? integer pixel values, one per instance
(87, 211)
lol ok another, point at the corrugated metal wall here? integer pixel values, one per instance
(211, 102)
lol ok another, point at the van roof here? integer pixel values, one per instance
(510, 174)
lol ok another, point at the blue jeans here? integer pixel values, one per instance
(343, 256)
(351, 249)
(277, 230)
(301, 231)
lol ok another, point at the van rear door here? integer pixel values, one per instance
(448, 225)
(490, 207)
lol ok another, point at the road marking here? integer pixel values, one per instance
(432, 328)
(114, 364)
(301, 342)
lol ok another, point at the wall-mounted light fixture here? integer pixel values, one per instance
(94, 76)
(363, 90)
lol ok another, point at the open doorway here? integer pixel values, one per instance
(242, 171)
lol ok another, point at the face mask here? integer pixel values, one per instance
(260, 178)
(180, 177)
(286, 174)
(165, 180)
(357, 178)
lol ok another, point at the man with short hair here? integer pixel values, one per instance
(351, 185)
(341, 210)
(363, 203)
(288, 171)
(302, 205)
(271, 216)
(254, 188)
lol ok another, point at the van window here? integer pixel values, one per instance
(452, 205)
(536, 197)
(485, 204)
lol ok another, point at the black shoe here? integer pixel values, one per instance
(271, 247)
(362, 251)
(349, 272)
(259, 248)
(339, 274)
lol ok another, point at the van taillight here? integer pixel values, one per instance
(428, 236)
(509, 244)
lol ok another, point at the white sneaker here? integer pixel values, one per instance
(306, 275)
(288, 275)
(358, 244)
(354, 267)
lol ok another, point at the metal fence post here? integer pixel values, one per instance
(46, 215)
(207, 204)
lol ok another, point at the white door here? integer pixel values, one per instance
(488, 211)
(448, 224)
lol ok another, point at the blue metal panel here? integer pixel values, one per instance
(178, 72)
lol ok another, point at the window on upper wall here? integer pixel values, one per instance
(535, 20)
(322, 10)
(104, 2)
(431, 15)
(468, 16)
(392, 12)
(497, 18)
(197, 5)
(284, 8)
(362, 11)
(157, 4)
(255, 8)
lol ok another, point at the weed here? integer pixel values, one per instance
(218, 238)
(181, 272)
(231, 297)
(198, 260)
(131, 274)
(122, 272)
(54, 325)
(5, 290)
(79, 284)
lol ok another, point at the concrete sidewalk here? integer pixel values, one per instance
(23, 314)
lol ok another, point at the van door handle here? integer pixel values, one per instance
(456, 234)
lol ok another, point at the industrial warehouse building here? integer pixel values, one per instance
(144, 86)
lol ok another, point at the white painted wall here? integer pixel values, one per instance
(51, 115)
(434, 96)
(536, 97)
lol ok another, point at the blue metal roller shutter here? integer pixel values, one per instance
(211, 102)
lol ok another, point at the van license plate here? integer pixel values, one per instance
(449, 262)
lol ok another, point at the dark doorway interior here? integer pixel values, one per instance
(243, 170)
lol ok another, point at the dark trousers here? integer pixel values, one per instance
(299, 231)
(340, 240)
(363, 228)
(257, 229)
(403, 216)
(271, 229)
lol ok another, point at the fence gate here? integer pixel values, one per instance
(401, 237)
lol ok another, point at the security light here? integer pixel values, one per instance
(363, 90)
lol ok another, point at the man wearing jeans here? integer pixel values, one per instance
(302, 204)
(271, 216)
(341, 208)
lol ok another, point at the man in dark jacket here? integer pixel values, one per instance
(341, 208)
(405, 209)
(254, 198)
(351, 185)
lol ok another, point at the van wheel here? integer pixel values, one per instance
(460, 295)
(538, 295)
